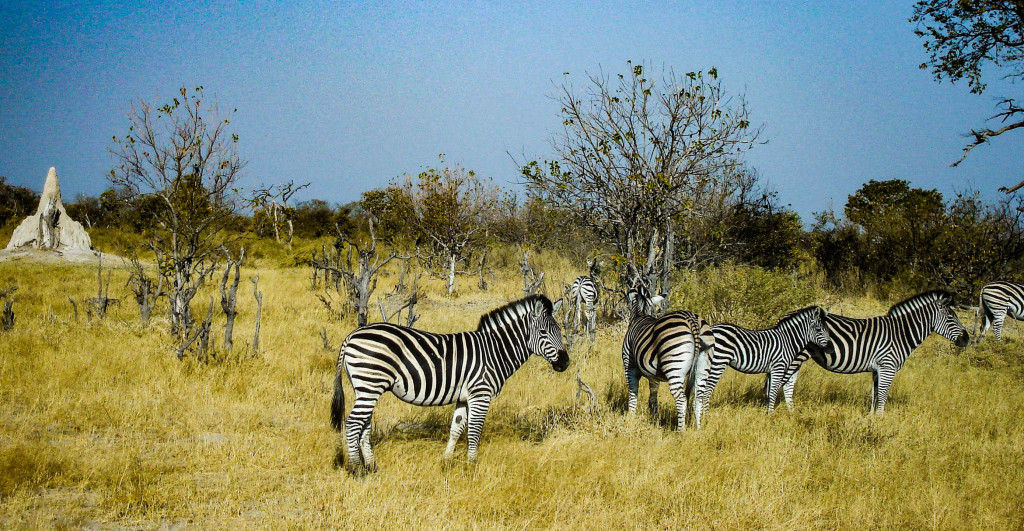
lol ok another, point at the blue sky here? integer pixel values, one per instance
(350, 95)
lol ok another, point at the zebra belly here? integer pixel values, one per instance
(410, 396)
(837, 364)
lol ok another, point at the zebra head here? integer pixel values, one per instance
(810, 322)
(946, 323)
(640, 302)
(545, 335)
(819, 331)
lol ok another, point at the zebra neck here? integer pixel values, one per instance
(506, 348)
(916, 326)
(795, 334)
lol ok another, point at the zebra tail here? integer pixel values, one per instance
(338, 403)
(984, 314)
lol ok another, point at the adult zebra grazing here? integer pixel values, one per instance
(466, 368)
(761, 351)
(881, 345)
(999, 300)
(584, 293)
(662, 350)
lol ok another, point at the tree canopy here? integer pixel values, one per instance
(963, 38)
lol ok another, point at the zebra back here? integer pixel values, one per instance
(756, 351)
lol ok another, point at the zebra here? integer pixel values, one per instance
(661, 350)
(881, 345)
(466, 368)
(584, 292)
(760, 351)
(999, 300)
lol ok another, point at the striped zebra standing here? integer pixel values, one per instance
(584, 292)
(999, 300)
(881, 345)
(661, 350)
(466, 368)
(767, 351)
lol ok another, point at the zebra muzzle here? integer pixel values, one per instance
(562, 362)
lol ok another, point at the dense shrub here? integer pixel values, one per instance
(751, 297)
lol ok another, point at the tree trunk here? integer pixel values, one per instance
(451, 274)
(229, 298)
(668, 262)
(259, 310)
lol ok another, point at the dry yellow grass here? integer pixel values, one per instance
(101, 426)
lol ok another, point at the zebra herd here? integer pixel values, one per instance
(469, 369)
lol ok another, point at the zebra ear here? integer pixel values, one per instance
(656, 300)
(555, 306)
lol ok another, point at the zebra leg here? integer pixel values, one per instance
(772, 384)
(707, 386)
(695, 382)
(592, 320)
(677, 386)
(998, 318)
(459, 420)
(369, 463)
(652, 399)
(883, 379)
(477, 412)
(633, 388)
(357, 433)
(787, 390)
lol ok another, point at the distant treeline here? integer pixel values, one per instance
(889, 235)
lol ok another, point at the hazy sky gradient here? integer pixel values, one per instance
(350, 96)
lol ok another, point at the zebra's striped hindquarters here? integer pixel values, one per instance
(659, 350)
(999, 300)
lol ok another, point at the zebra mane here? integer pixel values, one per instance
(495, 315)
(935, 295)
(795, 314)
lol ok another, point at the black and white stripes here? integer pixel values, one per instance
(661, 350)
(881, 345)
(467, 368)
(584, 292)
(768, 351)
(998, 301)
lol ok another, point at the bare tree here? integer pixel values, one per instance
(229, 294)
(183, 155)
(403, 297)
(102, 302)
(145, 288)
(352, 269)
(259, 313)
(7, 317)
(531, 280)
(273, 201)
(631, 155)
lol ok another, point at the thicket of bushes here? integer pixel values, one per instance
(890, 239)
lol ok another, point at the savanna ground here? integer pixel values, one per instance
(102, 427)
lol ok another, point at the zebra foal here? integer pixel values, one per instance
(584, 292)
(881, 345)
(662, 349)
(760, 351)
(466, 368)
(999, 300)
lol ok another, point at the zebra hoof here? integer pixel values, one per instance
(360, 470)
